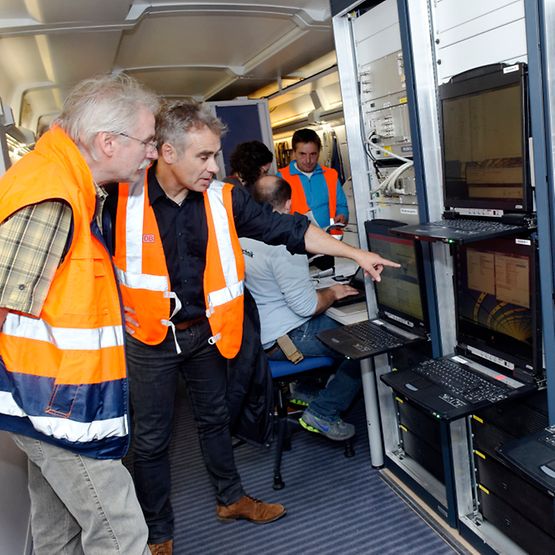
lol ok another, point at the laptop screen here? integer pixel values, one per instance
(485, 139)
(498, 316)
(399, 294)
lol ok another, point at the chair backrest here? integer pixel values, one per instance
(282, 368)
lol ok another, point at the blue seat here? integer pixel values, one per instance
(282, 368)
(282, 373)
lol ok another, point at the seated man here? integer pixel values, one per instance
(288, 303)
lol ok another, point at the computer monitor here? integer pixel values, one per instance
(484, 134)
(497, 305)
(400, 293)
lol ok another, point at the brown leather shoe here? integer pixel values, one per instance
(248, 508)
(165, 548)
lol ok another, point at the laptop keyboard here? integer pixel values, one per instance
(476, 226)
(462, 382)
(373, 338)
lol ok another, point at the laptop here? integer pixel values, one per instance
(484, 142)
(402, 315)
(357, 282)
(499, 349)
(534, 456)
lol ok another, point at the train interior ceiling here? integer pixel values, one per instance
(280, 51)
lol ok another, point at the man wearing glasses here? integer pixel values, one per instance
(63, 379)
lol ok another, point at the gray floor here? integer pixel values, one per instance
(335, 505)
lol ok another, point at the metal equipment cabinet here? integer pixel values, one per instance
(436, 39)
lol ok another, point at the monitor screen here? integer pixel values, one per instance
(399, 291)
(485, 141)
(497, 305)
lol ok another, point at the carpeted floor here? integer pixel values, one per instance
(334, 505)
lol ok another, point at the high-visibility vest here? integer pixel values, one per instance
(141, 264)
(63, 374)
(298, 197)
(143, 275)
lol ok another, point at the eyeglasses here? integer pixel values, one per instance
(147, 144)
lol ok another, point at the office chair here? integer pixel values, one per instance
(283, 371)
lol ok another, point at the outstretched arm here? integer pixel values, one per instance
(319, 242)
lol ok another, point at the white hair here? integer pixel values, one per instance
(104, 103)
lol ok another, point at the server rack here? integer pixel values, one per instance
(453, 489)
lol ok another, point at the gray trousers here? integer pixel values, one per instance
(81, 505)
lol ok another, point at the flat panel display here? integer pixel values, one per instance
(497, 304)
(400, 290)
(485, 140)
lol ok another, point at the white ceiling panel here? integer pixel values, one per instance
(183, 40)
(91, 53)
(215, 51)
(179, 83)
(55, 11)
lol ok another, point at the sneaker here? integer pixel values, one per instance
(337, 430)
(249, 508)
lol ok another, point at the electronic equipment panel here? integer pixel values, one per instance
(484, 131)
(498, 352)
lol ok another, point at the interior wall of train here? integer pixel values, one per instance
(365, 75)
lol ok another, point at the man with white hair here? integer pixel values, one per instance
(63, 380)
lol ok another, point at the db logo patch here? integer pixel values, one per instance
(148, 238)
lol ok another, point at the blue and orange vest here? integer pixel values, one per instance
(63, 374)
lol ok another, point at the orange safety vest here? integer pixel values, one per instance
(143, 275)
(298, 197)
(63, 374)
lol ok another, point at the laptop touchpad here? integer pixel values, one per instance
(416, 384)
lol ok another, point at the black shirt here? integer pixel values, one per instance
(184, 234)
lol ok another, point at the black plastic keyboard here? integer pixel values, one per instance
(476, 226)
(372, 337)
(462, 382)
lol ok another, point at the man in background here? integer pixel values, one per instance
(249, 161)
(315, 189)
(290, 305)
(63, 380)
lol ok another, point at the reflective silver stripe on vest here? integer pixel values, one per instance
(64, 428)
(234, 287)
(223, 235)
(134, 227)
(217, 298)
(91, 339)
(134, 217)
(142, 281)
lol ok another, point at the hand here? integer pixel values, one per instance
(130, 323)
(340, 219)
(341, 290)
(373, 264)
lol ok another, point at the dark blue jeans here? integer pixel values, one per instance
(342, 389)
(153, 375)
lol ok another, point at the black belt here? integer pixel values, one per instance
(273, 349)
(186, 324)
